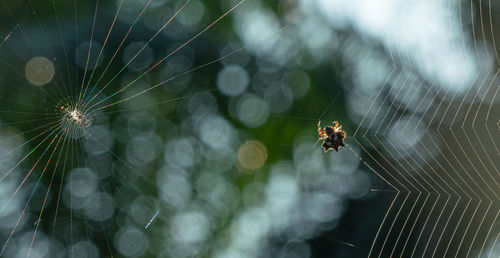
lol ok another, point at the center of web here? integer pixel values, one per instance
(74, 120)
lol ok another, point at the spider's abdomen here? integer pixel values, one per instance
(334, 141)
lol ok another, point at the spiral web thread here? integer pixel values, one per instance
(444, 190)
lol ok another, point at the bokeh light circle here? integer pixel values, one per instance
(39, 71)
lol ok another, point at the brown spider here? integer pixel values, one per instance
(332, 136)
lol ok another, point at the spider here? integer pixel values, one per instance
(332, 136)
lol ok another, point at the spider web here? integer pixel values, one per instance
(430, 144)
(433, 145)
(96, 59)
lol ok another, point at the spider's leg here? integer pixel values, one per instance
(321, 132)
